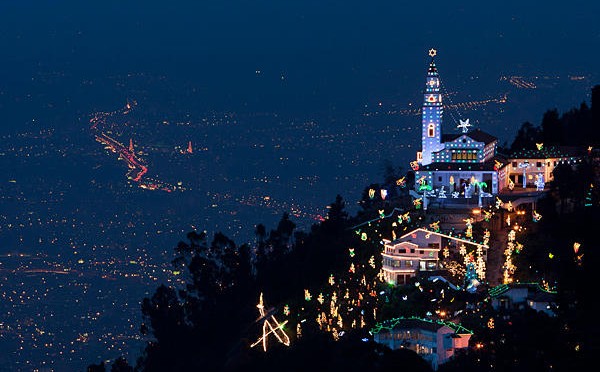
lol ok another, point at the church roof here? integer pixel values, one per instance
(487, 166)
(476, 134)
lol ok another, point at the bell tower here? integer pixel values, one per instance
(432, 113)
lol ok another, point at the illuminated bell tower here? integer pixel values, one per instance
(432, 113)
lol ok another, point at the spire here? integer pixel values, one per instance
(189, 149)
(432, 71)
(130, 145)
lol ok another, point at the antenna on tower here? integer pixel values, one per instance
(189, 148)
(130, 145)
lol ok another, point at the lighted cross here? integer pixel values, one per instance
(432, 52)
(276, 328)
(464, 125)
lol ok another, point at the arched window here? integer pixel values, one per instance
(431, 130)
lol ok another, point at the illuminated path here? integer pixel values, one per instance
(133, 162)
(137, 168)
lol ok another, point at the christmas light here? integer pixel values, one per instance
(383, 193)
(270, 326)
(372, 261)
(371, 193)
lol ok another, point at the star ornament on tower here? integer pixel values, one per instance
(432, 52)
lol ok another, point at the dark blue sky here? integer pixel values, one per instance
(330, 53)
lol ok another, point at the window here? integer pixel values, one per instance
(514, 164)
(440, 179)
(431, 130)
(464, 155)
(538, 164)
(401, 250)
(412, 250)
(421, 252)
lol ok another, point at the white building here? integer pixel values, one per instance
(418, 251)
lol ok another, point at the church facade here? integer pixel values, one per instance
(452, 165)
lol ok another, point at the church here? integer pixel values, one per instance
(452, 165)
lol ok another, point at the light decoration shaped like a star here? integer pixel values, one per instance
(539, 146)
(432, 52)
(270, 326)
(464, 125)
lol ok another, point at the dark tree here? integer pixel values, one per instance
(121, 365)
(552, 129)
(196, 327)
(96, 367)
(526, 137)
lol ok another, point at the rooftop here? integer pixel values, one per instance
(418, 323)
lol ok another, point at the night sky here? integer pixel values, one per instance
(333, 54)
(287, 103)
